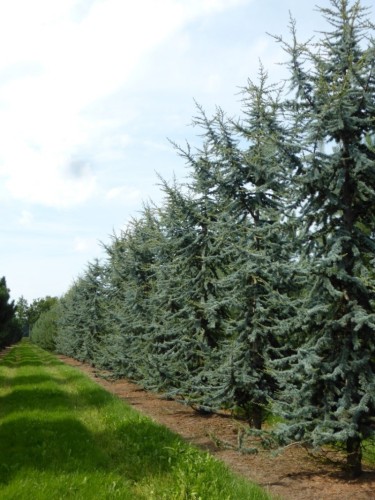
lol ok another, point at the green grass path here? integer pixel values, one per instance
(62, 436)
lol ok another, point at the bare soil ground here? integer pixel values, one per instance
(293, 475)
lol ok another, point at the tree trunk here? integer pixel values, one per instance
(353, 457)
(256, 417)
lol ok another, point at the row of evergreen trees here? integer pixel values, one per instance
(16, 319)
(252, 286)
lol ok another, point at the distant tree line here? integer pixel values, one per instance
(18, 319)
(252, 286)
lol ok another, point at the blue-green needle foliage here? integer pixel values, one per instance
(62, 436)
(329, 381)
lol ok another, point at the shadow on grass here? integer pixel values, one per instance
(23, 380)
(64, 445)
(61, 445)
(19, 363)
(42, 379)
(51, 399)
(4, 380)
(145, 448)
(35, 398)
(20, 357)
(30, 379)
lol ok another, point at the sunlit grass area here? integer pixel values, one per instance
(62, 436)
(369, 452)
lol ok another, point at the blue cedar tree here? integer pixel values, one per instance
(191, 316)
(251, 160)
(329, 382)
(131, 317)
(82, 322)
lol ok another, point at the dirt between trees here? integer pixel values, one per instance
(292, 475)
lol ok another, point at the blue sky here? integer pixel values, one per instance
(90, 92)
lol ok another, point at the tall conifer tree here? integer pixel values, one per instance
(130, 318)
(330, 381)
(251, 161)
(192, 323)
(82, 323)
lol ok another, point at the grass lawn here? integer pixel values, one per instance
(62, 436)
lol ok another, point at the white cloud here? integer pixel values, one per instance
(44, 178)
(66, 65)
(84, 245)
(158, 145)
(26, 218)
(124, 194)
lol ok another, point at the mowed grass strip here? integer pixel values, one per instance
(62, 436)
